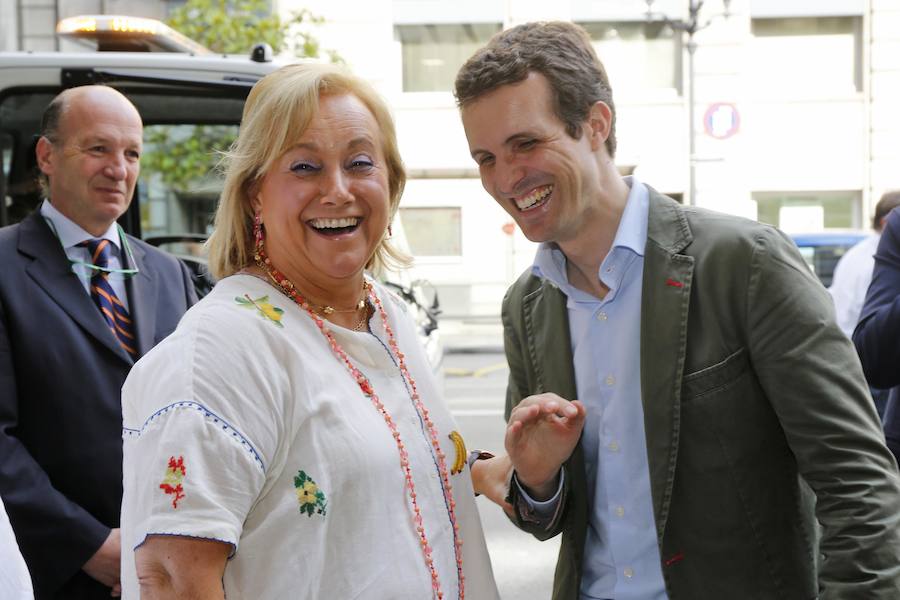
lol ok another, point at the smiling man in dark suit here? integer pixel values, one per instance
(80, 302)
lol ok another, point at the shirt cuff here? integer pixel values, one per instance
(542, 509)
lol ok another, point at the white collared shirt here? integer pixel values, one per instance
(70, 234)
(621, 551)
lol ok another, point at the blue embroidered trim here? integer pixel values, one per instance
(219, 421)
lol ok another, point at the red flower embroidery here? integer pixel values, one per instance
(172, 482)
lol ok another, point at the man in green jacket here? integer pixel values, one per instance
(720, 411)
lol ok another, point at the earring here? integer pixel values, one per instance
(258, 237)
(390, 231)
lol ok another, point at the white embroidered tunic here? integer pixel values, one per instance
(242, 426)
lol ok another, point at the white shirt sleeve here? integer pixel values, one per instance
(202, 420)
(15, 582)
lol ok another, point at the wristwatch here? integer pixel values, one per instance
(478, 455)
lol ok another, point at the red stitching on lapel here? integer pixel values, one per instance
(672, 283)
(674, 559)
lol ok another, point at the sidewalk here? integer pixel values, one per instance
(471, 335)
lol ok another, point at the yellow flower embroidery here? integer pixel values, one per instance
(307, 493)
(311, 498)
(265, 308)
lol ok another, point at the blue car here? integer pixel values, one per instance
(824, 249)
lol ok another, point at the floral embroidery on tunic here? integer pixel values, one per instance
(172, 482)
(265, 308)
(311, 498)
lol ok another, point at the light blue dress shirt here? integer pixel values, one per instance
(70, 234)
(621, 560)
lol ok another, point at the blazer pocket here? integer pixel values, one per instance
(715, 377)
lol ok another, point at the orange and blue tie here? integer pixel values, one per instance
(114, 312)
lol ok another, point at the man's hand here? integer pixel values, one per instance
(541, 434)
(105, 564)
(490, 477)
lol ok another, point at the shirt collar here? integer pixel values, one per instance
(550, 262)
(71, 234)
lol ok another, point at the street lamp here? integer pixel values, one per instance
(689, 26)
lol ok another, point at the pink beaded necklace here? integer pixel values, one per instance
(287, 287)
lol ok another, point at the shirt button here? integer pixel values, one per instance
(628, 572)
(620, 511)
(601, 316)
(610, 380)
(613, 446)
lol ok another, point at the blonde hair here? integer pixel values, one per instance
(278, 110)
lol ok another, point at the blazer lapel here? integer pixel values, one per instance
(550, 346)
(141, 299)
(52, 272)
(666, 291)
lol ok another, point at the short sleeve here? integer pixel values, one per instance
(203, 417)
(194, 474)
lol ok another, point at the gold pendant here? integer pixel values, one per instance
(462, 457)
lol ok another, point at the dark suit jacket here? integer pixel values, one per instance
(61, 371)
(752, 396)
(877, 336)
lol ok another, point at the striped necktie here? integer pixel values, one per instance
(114, 312)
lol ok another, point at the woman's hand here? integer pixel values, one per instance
(490, 477)
(541, 434)
(172, 566)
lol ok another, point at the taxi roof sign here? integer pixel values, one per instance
(128, 34)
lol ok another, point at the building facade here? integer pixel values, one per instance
(794, 120)
(31, 24)
(793, 113)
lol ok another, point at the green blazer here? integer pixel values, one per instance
(757, 417)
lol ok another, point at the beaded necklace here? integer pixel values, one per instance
(286, 286)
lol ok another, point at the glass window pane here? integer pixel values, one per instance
(432, 54)
(433, 231)
(179, 183)
(809, 211)
(811, 56)
(638, 55)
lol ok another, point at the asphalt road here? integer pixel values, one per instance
(474, 387)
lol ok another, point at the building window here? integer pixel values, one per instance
(432, 54)
(638, 55)
(433, 231)
(809, 211)
(807, 55)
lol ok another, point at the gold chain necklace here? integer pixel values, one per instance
(362, 308)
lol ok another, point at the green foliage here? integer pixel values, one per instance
(234, 26)
(182, 154)
(229, 27)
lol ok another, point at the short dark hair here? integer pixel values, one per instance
(889, 201)
(50, 129)
(561, 52)
(52, 116)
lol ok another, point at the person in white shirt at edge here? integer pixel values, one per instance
(853, 271)
(15, 582)
(288, 440)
